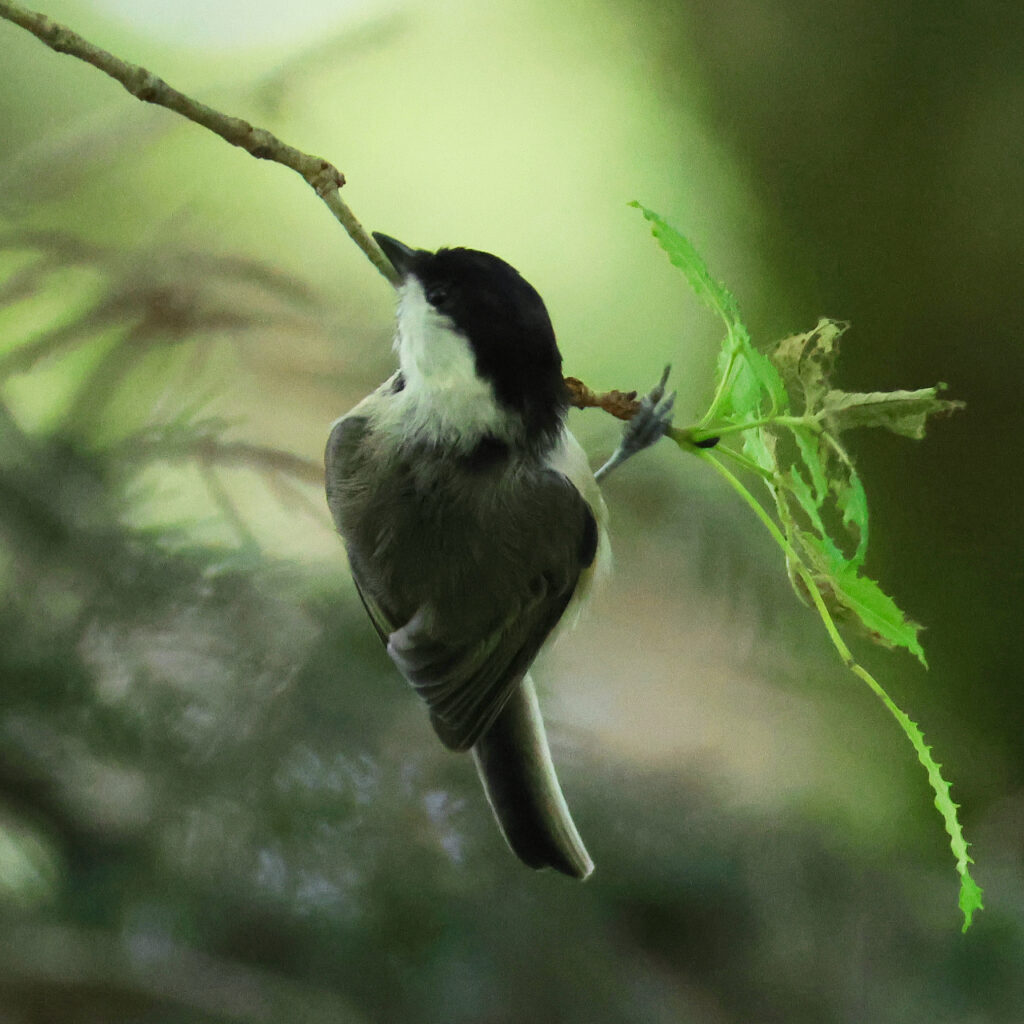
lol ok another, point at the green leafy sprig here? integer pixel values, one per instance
(776, 415)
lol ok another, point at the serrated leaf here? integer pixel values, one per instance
(877, 612)
(769, 382)
(971, 893)
(852, 502)
(805, 360)
(849, 596)
(805, 498)
(751, 390)
(970, 897)
(753, 387)
(753, 396)
(759, 447)
(902, 412)
(824, 560)
(810, 452)
(750, 386)
(683, 255)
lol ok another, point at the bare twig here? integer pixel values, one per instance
(324, 178)
(621, 404)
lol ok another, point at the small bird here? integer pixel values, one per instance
(473, 523)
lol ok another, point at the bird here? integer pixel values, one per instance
(473, 524)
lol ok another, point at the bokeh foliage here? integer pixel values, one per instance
(217, 801)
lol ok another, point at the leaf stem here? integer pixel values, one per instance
(970, 892)
(755, 506)
(699, 433)
(739, 458)
(724, 381)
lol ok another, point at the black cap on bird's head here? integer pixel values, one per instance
(504, 320)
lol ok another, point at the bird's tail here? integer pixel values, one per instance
(519, 779)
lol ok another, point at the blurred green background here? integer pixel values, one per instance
(218, 802)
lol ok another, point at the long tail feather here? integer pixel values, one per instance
(519, 779)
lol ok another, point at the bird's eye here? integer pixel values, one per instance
(437, 295)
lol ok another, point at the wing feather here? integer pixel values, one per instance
(466, 686)
(463, 640)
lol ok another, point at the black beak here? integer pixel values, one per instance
(401, 255)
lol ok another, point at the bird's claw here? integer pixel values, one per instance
(647, 425)
(652, 419)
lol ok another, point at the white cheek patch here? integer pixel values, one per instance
(444, 398)
(432, 353)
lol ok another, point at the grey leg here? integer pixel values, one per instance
(651, 421)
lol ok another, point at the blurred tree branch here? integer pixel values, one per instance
(153, 971)
(323, 177)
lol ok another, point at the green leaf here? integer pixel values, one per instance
(971, 893)
(749, 389)
(769, 383)
(814, 484)
(810, 452)
(759, 447)
(749, 385)
(805, 360)
(877, 612)
(683, 255)
(852, 502)
(902, 412)
(756, 392)
(801, 490)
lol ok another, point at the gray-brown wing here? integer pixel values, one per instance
(342, 461)
(464, 647)
(344, 458)
(467, 685)
(467, 680)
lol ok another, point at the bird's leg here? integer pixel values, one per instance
(648, 424)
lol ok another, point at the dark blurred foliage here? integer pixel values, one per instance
(234, 816)
(882, 145)
(219, 803)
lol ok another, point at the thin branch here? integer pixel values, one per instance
(228, 509)
(215, 452)
(621, 404)
(323, 177)
(254, 456)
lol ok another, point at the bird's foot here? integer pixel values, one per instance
(647, 425)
